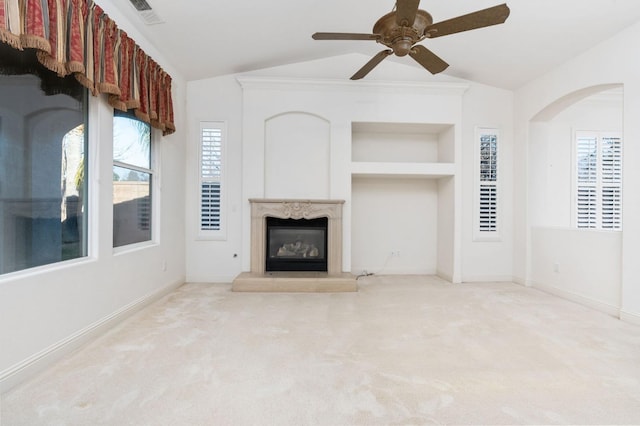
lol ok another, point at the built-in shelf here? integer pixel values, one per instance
(402, 170)
(420, 144)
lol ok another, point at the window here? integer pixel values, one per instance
(43, 166)
(212, 138)
(132, 180)
(598, 189)
(487, 185)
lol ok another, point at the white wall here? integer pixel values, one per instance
(47, 311)
(488, 107)
(217, 99)
(394, 215)
(614, 61)
(221, 99)
(583, 266)
(297, 162)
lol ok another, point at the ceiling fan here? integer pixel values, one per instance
(407, 25)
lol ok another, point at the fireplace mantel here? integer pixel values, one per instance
(296, 209)
(259, 280)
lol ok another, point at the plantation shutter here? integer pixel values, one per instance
(488, 208)
(599, 180)
(611, 182)
(488, 211)
(587, 204)
(210, 177)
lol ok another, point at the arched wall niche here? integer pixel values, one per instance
(297, 156)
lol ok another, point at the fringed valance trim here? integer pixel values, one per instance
(76, 37)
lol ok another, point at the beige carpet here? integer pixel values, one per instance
(403, 350)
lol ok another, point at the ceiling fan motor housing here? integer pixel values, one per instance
(401, 38)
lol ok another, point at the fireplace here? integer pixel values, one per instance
(307, 234)
(296, 244)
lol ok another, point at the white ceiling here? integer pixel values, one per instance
(208, 38)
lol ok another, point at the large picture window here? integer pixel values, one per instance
(43, 165)
(132, 180)
(598, 177)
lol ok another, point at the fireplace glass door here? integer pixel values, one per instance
(296, 244)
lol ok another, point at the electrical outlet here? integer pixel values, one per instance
(395, 253)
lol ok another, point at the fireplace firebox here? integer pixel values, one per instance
(296, 244)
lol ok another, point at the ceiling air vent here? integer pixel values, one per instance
(146, 13)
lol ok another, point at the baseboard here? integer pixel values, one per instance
(487, 279)
(630, 317)
(392, 271)
(38, 362)
(445, 276)
(577, 298)
(521, 281)
(222, 279)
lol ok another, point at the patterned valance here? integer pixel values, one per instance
(76, 37)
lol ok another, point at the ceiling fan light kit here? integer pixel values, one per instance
(401, 30)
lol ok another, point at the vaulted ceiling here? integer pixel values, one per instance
(209, 38)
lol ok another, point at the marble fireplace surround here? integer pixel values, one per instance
(257, 279)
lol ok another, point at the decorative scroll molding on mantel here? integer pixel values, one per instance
(296, 209)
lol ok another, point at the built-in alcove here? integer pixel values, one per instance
(403, 186)
(402, 149)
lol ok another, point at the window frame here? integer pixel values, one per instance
(599, 185)
(89, 190)
(219, 234)
(480, 234)
(154, 190)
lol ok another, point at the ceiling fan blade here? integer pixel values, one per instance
(406, 12)
(428, 59)
(482, 18)
(371, 64)
(344, 36)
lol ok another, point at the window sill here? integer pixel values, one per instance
(117, 251)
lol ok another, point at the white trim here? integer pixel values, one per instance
(521, 281)
(25, 369)
(35, 271)
(444, 275)
(220, 234)
(630, 317)
(154, 190)
(156, 186)
(598, 185)
(133, 247)
(488, 279)
(579, 299)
